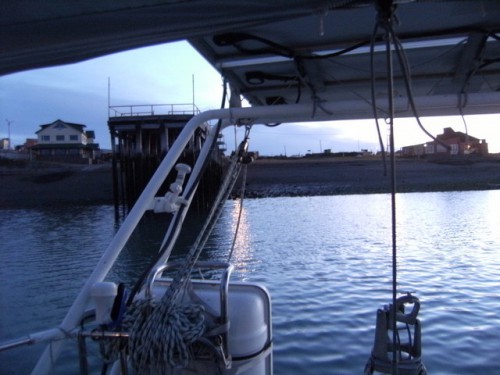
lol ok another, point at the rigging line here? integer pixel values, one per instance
(242, 195)
(390, 87)
(279, 49)
(488, 83)
(214, 215)
(316, 100)
(442, 54)
(478, 59)
(227, 186)
(487, 62)
(299, 93)
(337, 53)
(386, 17)
(364, 70)
(222, 196)
(236, 38)
(374, 103)
(407, 81)
(349, 66)
(181, 277)
(438, 82)
(177, 220)
(366, 100)
(461, 110)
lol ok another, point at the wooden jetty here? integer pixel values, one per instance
(141, 135)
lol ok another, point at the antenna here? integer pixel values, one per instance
(192, 89)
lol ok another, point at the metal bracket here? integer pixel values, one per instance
(172, 201)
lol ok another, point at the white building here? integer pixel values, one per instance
(66, 142)
(4, 144)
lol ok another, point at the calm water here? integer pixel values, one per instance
(325, 260)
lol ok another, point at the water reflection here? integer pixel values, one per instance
(239, 231)
(326, 261)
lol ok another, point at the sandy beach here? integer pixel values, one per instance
(44, 186)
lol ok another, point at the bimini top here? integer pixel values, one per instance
(284, 51)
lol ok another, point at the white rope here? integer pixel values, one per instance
(155, 348)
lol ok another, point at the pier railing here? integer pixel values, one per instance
(153, 109)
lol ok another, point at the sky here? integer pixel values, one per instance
(175, 73)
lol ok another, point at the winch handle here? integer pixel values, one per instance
(411, 317)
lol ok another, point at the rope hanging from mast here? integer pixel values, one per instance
(389, 317)
(385, 20)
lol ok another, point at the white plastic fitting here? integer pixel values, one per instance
(171, 201)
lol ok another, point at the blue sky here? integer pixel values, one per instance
(164, 75)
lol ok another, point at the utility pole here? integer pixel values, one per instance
(8, 130)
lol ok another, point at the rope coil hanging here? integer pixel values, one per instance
(387, 319)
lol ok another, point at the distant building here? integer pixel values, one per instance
(66, 142)
(458, 143)
(4, 144)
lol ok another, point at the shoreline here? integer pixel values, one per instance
(71, 185)
(341, 176)
(58, 185)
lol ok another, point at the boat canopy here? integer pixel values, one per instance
(284, 51)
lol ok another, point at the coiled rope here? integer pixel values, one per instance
(161, 333)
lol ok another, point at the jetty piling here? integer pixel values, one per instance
(141, 136)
